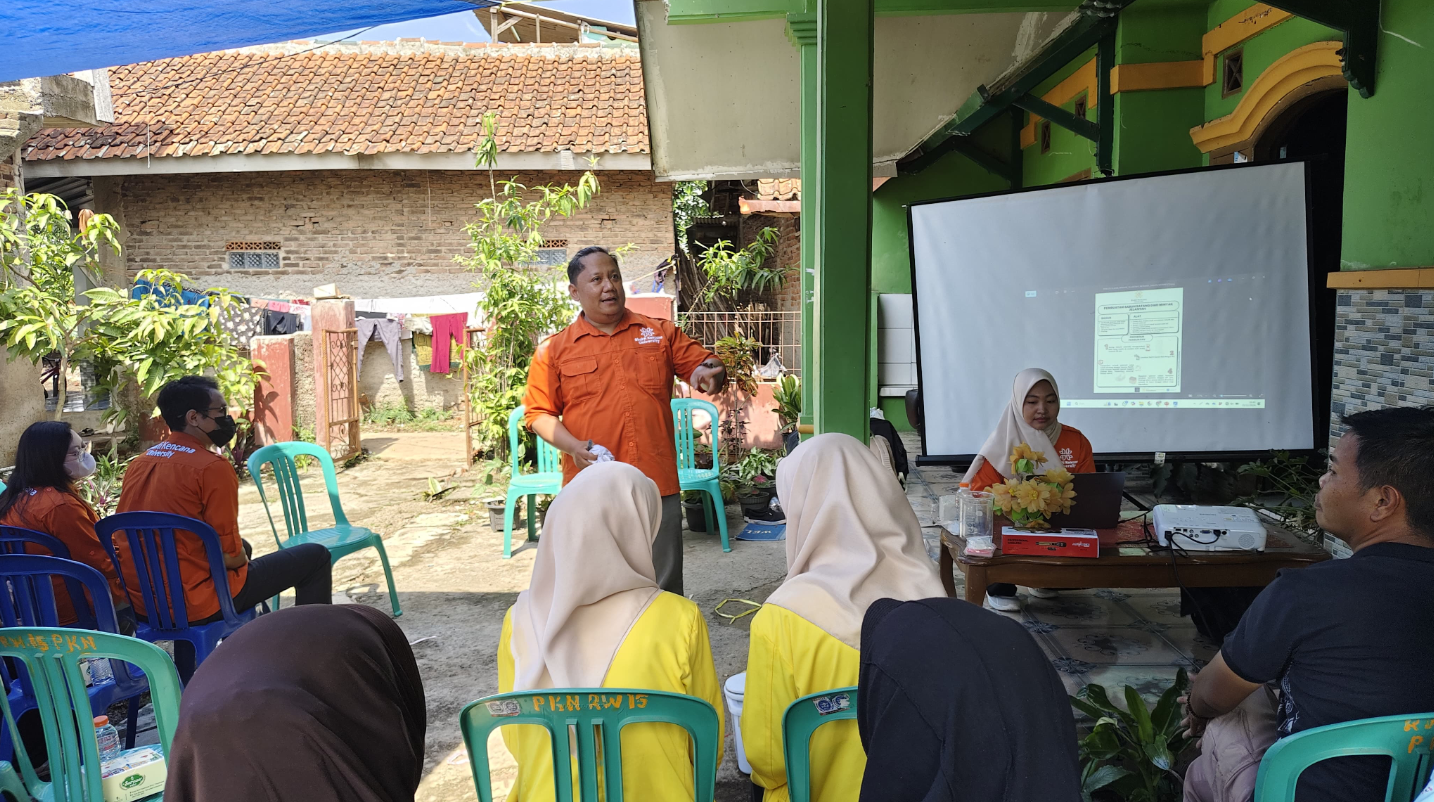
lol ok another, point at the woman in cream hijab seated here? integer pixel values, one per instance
(852, 538)
(592, 617)
(1031, 417)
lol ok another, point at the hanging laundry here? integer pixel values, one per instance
(241, 322)
(280, 322)
(446, 328)
(387, 331)
(423, 349)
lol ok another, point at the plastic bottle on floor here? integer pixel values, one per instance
(107, 738)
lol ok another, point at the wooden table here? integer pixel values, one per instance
(1126, 565)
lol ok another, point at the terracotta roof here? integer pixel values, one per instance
(367, 98)
(779, 189)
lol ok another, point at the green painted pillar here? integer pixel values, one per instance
(843, 204)
(1388, 175)
(802, 31)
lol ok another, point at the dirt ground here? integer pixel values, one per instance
(454, 587)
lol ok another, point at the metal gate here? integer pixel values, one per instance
(339, 434)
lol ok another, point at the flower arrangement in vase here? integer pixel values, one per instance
(1029, 498)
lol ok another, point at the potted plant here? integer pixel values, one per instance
(692, 507)
(788, 395)
(756, 495)
(1130, 754)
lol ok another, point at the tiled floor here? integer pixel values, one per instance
(1112, 637)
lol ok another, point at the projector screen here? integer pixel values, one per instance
(1173, 310)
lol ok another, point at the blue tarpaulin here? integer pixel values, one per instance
(48, 37)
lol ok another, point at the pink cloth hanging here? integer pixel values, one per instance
(446, 328)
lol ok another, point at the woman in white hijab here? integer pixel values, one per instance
(852, 538)
(593, 617)
(1032, 417)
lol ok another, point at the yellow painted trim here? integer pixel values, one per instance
(1411, 278)
(1231, 32)
(1295, 69)
(1159, 75)
(1082, 80)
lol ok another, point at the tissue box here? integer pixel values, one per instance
(135, 774)
(1065, 543)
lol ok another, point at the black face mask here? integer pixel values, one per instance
(224, 429)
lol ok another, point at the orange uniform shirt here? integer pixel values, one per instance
(616, 390)
(69, 519)
(1072, 448)
(182, 476)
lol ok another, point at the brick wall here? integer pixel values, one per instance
(1383, 351)
(9, 173)
(789, 253)
(380, 233)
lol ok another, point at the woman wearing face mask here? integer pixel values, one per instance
(1031, 418)
(41, 495)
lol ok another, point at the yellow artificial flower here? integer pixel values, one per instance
(1059, 476)
(1024, 451)
(1001, 497)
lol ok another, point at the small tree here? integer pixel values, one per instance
(730, 271)
(521, 303)
(149, 340)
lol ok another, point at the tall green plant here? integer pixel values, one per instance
(147, 341)
(688, 205)
(729, 271)
(521, 303)
(1131, 753)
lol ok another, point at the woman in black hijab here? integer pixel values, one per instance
(959, 703)
(314, 704)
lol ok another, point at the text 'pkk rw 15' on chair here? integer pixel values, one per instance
(800, 720)
(151, 537)
(547, 481)
(1406, 740)
(341, 539)
(597, 714)
(51, 656)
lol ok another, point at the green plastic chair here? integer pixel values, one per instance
(547, 481)
(52, 657)
(341, 539)
(595, 713)
(800, 720)
(1407, 740)
(691, 477)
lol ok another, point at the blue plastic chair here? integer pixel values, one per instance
(51, 657)
(151, 537)
(341, 539)
(14, 538)
(691, 477)
(27, 599)
(1405, 740)
(547, 481)
(799, 721)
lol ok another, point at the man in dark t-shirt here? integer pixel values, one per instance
(1340, 641)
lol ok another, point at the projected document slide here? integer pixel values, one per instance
(1173, 311)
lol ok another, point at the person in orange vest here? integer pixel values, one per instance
(606, 380)
(184, 475)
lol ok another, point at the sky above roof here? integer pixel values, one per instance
(464, 27)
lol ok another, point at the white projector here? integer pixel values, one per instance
(1194, 528)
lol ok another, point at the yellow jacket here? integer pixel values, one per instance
(790, 657)
(666, 650)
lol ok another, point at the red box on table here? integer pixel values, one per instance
(1058, 543)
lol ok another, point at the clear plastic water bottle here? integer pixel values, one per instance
(107, 737)
(101, 671)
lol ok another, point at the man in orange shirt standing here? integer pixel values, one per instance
(183, 476)
(608, 376)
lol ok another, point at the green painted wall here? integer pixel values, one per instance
(1153, 130)
(1259, 52)
(1069, 153)
(951, 176)
(1389, 177)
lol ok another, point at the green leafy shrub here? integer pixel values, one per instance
(1131, 753)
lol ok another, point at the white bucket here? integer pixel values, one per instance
(734, 689)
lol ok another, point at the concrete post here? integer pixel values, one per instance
(802, 30)
(275, 395)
